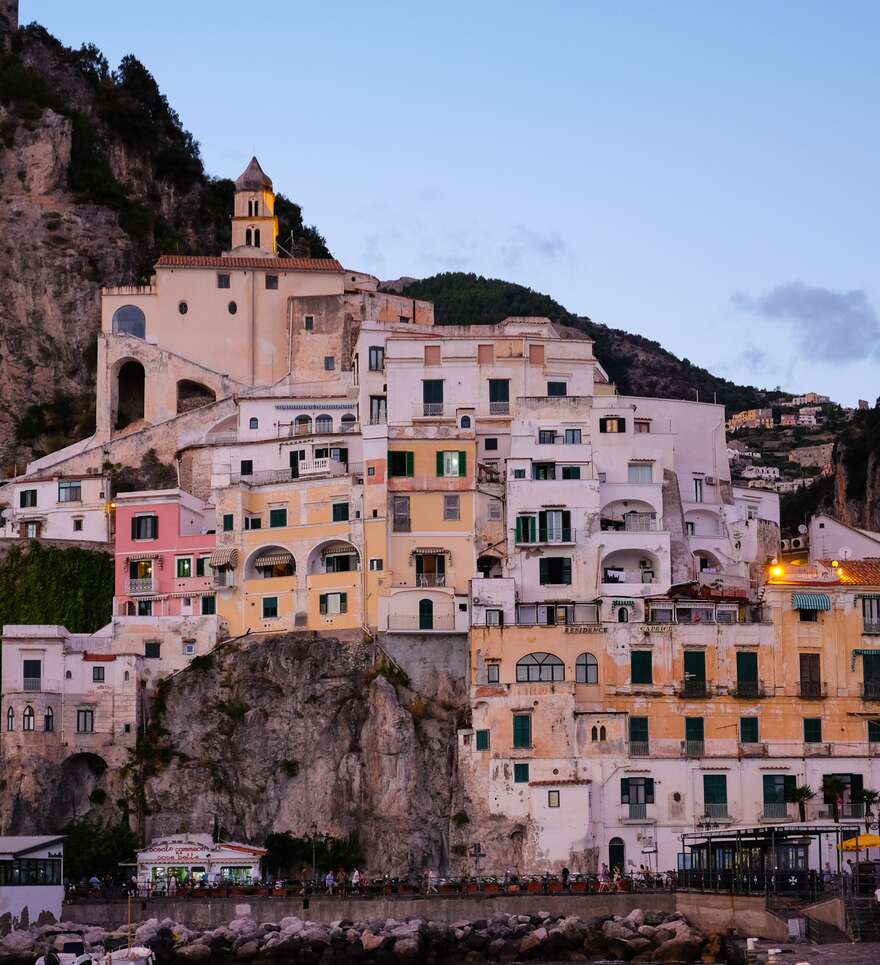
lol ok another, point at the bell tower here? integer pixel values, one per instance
(254, 225)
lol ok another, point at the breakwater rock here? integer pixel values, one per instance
(641, 936)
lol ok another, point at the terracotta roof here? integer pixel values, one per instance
(858, 572)
(99, 657)
(277, 264)
(559, 783)
(253, 178)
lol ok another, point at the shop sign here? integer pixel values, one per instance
(587, 628)
(655, 627)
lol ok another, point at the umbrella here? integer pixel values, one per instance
(861, 843)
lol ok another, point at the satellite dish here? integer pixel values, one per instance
(802, 529)
(845, 553)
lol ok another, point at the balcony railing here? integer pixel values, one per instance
(639, 748)
(224, 578)
(776, 811)
(715, 812)
(811, 689)
(431, 409)
(630, 523)
(871, 626)
(134, 587)
(566, 535)
(871, 690)
(430, 579)
(852, 810)
(752, 749)
(694, 748)
(637, 812)
(693, 687)
(627, 576)
(750, 689)
(402, 621)
(499, 408)
(33, 684)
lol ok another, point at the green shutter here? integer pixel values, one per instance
(343, 603)
(439, 463)
(566, 525)
(521, 773)
(519, 529)
(624, 790)
(543, 571)
(322, 603)
(566, 571)
(462, 463)
(790, 786)
(133, 521)
(714, 789)
(522, 730)
(874, 731)
(746, 667)
(409, 460)
(641, 667)
(693, 729)
(542, 523)
(695, 665)
(813, 730)
(856, 787)
(748, 730)
(649, 790)
(638, 729)
(482, 740)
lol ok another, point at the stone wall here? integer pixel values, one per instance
(437, 666)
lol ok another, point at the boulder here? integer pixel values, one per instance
(617, 930)
(371, 941)
(292, 925)
(648, 931)
(677, 950)
(194, 953)
(17, 943)
(532, 942)
(407, 949)
(636, 918)
(146, 932)
(242, 926)
(247, 951)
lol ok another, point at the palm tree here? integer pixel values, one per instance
(869, 799)
(800, 796)
(832, 789)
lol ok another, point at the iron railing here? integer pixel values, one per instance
(134, 587)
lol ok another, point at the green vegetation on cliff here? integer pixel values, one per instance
(72, 587)
(637, 365)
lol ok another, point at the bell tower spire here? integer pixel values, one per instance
(254, 225)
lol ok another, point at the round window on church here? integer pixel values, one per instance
(233, 308)
(183, 308)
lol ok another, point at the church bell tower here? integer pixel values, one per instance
(254, 225)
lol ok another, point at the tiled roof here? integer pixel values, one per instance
(858, 572)
(559, 783)
(278, 264)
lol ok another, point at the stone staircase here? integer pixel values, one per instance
(817, 932)
(863, 919)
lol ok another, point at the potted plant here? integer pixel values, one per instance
(832, 789)
(800, 796)
(869, 799)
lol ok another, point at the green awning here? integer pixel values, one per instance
(810, 601)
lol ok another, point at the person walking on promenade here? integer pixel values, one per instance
(430, 887)
(329, 882)
(355, 881)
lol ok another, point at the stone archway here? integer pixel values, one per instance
(193, 395)
(130, 393)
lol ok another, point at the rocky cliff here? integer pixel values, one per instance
(97, 177)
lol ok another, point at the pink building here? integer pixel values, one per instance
(164, 541)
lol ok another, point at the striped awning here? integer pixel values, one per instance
(277, 558)
(182, 594)
(339, 551)
(810, 601)
(141, 557)
(223, 556)
(623, 602)
(430, 551)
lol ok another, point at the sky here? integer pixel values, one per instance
(703, 174)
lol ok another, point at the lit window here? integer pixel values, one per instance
(184, 567)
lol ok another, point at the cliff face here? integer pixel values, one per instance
(857, 472)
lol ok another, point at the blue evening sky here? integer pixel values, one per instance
(704, 174)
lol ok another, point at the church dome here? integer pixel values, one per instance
(253, 178)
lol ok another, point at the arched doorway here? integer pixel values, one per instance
(193, 395)
(130, 380)
(426, 614)
(617, 854)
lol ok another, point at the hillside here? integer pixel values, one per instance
(638, 365)
(97, 177)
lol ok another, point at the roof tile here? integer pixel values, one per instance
(278, 264)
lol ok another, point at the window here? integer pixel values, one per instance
(184, 567)
(499, 396)
(272, 282)
(715, 794)
(329, 363)
(144, 608)
(85, 721)
(69, 491)
(642, 425)
(27, 498)
(520, 773)
(452, 507)
(637, 790)
(490, 444)
(403, 319)
(522, 730)
(432, 355)
(554, 526)
(809, 616)
(557, 388)
(253, 423)
(546, 437)
(400, 514)
(748, 730)
(874, 731)
(232, 307)
(536, 355)
(189, 648)
(376, 564)
(571, 472)
(277, 516)
(553, 799)
(97, 675)
(228, 522)
(451, 464)
(494, 509)
(203, 566)
(10, 719)
(586, 669)
(32, 530)
(493, 670)
(340, 512)
(401, 463)
(32, 672)
(482, 740)
(247, 467)
(519, 474)
(145, 527)
(152, 650)
(209, 605)
(49, 720)
(641, 667)
(77, 525)
(270, 607)
(612, 424)
(130, 320)
(572, 437)
(812, 730)
(309, 323)
(778, 789)
(222, 280)
(376, 358)
(555, 570)
(28, 721)
(540, 668)
(331, 604)
(432, 397)
(639, 472)
(698, 490)
(751, 512)
(465, 422)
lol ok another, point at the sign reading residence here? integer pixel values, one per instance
(586, 628)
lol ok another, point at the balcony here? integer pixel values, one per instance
(636, 814)
(429, 410)
(631, 523)
(716, 812)
(752, 749)
(693, 687)
(223, 579)
(871, 626)
(309, 468)
(776, 811)
(749, 689)
(137, 587)
(33, 684)
(615, 575)
(430, 579)
(639, 748)
(871, 690)
(499, 408)
(693, 748)
(402, 622)
(812, 690)
(548, 537)
(852, 810)
(817, 749)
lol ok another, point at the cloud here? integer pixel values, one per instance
(832, 326)
(525, 243)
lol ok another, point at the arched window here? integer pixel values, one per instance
(324, 423)
(249, 238)
(49, 720)
(426, 614)
(256, 237)
(130, 320)
(303, 425)
(68, 675)
(10, 719)
(594, 733)
(465, 422)
(28, 721)
(603, 734)
(586, 669)
(543, 667)
(623, 615)
(347, 422)
(253, 423)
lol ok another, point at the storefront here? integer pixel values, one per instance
(31, 876)
(195, 859)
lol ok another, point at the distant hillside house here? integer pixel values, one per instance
(751, 419)
(831, 539)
